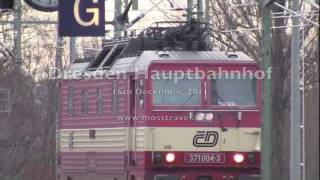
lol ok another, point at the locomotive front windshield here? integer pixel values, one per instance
(176, 92)
(233, 92)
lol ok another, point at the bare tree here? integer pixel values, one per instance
(27, 132)
(227, 15)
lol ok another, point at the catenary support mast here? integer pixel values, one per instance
(266, 119)
(17, 32)
(295, 148)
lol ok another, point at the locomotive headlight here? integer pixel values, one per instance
(200, 116)
(209, 116)
(238, 158)
(170, 157)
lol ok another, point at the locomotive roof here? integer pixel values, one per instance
(130, 64)
(148, 56)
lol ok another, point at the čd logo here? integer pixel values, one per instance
(206, 139)
(81, 17)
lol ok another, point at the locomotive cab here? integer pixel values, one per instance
(201, 113)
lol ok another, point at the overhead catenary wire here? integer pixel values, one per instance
(258, 29)
(162, 11)
(295, 13)
(291, 16)
(313, 4)
(243, 5)
(300, 12)
(288, 11)
(233, 5)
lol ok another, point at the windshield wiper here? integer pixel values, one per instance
(188, 99)
(226, 103)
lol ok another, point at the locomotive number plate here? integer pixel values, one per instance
(191, 158)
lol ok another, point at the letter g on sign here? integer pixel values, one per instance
(94, 11)
(81, 18)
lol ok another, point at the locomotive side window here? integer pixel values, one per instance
(233, 92)
(176, 92)
(84, 101)
(114, 98)
(141, 95)
(70, 101)
(204, 178)
(166, 177)
(99, 101)
(4, 100)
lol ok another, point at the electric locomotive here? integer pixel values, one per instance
(165, 107)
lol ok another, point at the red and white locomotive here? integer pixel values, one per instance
(160, 111)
